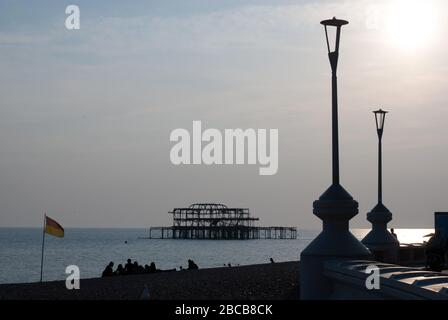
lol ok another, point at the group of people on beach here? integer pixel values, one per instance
(135, 268)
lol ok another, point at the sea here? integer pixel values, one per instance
(92, 249)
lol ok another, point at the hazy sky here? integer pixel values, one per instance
(85, 115)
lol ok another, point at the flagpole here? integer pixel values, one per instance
(43, 243)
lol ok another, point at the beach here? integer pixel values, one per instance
(273, 281)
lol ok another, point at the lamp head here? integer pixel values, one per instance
(333, 52)
(380, 117)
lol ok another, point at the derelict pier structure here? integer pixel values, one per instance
(214, 221)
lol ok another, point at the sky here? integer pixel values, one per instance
(86, 115)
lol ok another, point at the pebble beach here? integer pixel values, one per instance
(273, 281)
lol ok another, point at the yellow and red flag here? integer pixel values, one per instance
(53, 228)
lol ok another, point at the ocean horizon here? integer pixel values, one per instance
(91, 249)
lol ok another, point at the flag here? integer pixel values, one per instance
(53, 228)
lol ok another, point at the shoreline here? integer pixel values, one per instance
(270, 281)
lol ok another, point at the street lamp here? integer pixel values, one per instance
(335, 206)
(380, 117)
(379, 240)
(333, 56)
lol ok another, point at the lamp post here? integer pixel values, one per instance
(335, 207)
(380, 117)
(379, 240)
(334, 57)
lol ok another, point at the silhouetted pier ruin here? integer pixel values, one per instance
(218, 222)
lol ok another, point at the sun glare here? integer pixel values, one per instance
(411, 24)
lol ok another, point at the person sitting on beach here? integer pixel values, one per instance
(128, 267)
(108, 271)
(120, 270)
(192, 265)
(392, 232)
(135, 267)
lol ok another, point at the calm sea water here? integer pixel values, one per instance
(92, 249)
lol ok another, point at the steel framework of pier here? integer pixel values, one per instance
(217, 221)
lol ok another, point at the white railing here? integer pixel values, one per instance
(348, 278)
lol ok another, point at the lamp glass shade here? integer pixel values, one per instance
(380, 118)
(337, 23)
